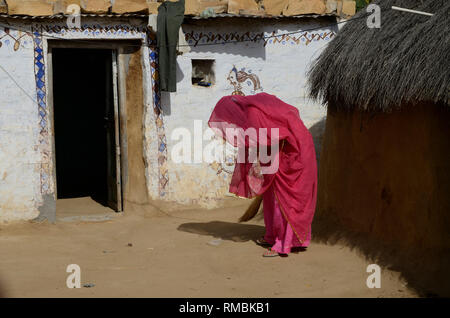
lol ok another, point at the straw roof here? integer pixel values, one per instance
(406, 61)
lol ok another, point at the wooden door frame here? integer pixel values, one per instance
(118, 46)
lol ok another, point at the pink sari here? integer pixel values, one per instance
(293, 184)
(279, 233)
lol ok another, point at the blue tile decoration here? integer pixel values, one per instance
(41, 100)
(162, 148)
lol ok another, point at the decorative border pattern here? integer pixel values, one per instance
(305, 38)
(95, 30)
(162, 141)
(41, 94)
(194, 39)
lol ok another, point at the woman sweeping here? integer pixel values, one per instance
(287, 183)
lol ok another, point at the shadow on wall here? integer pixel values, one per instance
(235, 232)
(208, 36)
(245, 49)
(166, 103)
(317, 131)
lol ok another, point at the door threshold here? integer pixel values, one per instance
(83, 209)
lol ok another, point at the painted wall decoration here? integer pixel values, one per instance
(41, 96)
(162, 149)
(226, 167)
(6, 36)
(96, 30)
(196, 38)
(238, 78)
(302, 38)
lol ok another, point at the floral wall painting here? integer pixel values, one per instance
(244, 81)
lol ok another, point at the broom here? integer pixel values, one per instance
(252, 210)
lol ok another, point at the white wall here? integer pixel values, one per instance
(19, 156)
(280, 67)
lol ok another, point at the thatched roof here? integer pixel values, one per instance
(406, 61)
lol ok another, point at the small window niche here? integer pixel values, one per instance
(203, 72)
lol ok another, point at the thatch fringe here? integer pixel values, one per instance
(406, 61)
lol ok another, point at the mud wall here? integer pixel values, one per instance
(386, 177)
(134, 187)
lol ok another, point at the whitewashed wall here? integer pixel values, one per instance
(19, 156)
(280, 65)
(26, 173)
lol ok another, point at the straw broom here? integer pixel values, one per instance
(252, 210)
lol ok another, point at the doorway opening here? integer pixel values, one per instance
(85, 112)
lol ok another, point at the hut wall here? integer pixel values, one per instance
(387, 176)
(275, 66)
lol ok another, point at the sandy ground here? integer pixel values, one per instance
(174, 252)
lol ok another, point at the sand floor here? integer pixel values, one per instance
(174, 252)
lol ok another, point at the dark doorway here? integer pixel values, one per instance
(84, 103)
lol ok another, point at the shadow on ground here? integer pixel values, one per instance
(2, 291)
(425, 271)
(228, 231)
(236, 232)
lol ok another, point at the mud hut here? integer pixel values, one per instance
(385, 167)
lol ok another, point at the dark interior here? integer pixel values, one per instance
(84, 122)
